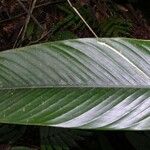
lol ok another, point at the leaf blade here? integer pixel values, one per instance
(82, 83)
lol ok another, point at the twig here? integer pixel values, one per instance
(28, 19)
(78, 15)
(26, 12)
(29, 14)
(42, 37)
(82, 19)
(16, 42)
(50, 3)
(12, 18)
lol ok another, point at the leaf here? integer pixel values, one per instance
(11, 133)
(58, 138)
(82, 83)
(64, 35)
(30, 30)
(114, 27)
(21, 148)
(140, 140)
(105, 143)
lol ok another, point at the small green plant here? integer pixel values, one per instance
(115, 27)
(73, 21)
(61, 139)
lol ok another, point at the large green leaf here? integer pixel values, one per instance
(82, 83)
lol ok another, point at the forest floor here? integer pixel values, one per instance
(30, 21)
